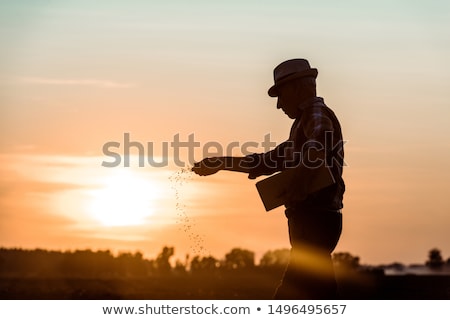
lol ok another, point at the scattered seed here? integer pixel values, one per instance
(187, 224)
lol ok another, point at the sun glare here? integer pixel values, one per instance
(125, 200)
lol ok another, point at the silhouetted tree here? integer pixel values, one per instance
(29, 262)
(105, 263)
(162, 261)
(239, 259)
(131, 265)
(207, 264)
(275, 259)
(435, 260)
(345, 261)
(180, 266)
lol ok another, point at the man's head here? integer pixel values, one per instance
(295, 81)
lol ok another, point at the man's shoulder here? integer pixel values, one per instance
(317, 108)
(318, 118)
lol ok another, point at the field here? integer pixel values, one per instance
(228, 286)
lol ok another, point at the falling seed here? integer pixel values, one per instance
(178, 179)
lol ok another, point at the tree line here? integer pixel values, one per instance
(96, 264)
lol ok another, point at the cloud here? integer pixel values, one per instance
(76, 82)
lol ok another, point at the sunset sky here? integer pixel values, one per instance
(76, 75)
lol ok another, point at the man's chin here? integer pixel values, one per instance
(291, 116)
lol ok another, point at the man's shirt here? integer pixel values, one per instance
(316, 129)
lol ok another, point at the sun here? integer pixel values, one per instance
(126, 199)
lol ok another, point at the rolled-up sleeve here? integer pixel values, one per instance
(281, 157)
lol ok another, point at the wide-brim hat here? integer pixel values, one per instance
(289, 70)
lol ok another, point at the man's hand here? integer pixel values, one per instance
(208, 166)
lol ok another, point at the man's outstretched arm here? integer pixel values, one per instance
(212, 165)
(254, 165)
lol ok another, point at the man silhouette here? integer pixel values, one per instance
(314, 221)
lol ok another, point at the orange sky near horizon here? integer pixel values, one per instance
(75, 76)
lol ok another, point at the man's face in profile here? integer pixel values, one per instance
(287, 100)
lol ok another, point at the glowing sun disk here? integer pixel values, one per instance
(126, 199)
